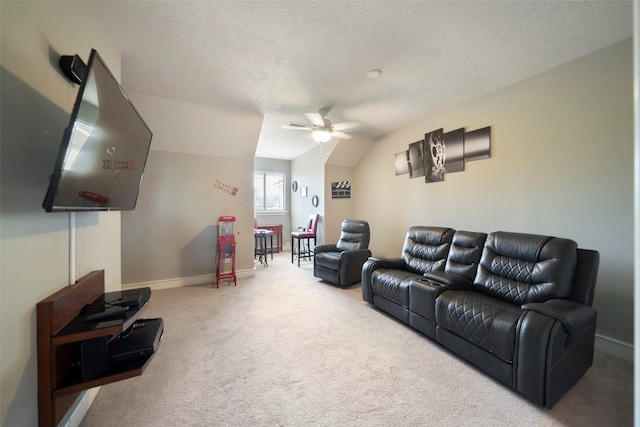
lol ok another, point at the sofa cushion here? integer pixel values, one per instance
(485, 321)
(393, 284)
(354, 235)
(465, 253)
(426, 248)
(330, 260)
(522, 268)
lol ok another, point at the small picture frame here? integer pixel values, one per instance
(294, 186)
(303, 191)
(314, 201)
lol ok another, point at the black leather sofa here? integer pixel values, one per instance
(517, 306)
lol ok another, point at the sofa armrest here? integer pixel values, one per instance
(555, 348)
(325, 248)
(447, 279)
(370, 266)
(575, 318)
(394, 263)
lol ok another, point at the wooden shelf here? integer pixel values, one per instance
(61, 329)
(114, 374)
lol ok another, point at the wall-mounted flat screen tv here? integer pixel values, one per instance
(103, 151)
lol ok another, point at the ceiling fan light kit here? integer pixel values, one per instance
(321, 136)
(322, 130)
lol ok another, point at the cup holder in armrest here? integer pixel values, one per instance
(429, 282)
(441, 278)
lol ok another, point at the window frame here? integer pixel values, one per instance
(283, 193)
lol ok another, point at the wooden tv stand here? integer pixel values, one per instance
(61, 329)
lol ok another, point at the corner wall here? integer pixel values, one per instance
(561, 164)
(308, 170)
(337, 210)
(171, 236)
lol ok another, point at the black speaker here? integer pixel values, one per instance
(94, 358)
(73, 67)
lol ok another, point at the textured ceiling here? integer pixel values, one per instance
(284, 58)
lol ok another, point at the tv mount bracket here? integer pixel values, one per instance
(73, 67)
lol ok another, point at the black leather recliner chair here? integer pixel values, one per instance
(341, 263)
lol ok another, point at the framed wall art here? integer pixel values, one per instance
(341, 190)
(440, 153)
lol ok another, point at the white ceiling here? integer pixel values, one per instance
(284, 58)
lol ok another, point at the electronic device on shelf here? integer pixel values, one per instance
(73, 355)
(107, 313)
(121, 298)
(142, 339)
(132, 300)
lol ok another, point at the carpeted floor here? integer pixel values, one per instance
(283, 348)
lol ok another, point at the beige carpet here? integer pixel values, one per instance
(285, 349)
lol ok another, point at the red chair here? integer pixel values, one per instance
(306, 235)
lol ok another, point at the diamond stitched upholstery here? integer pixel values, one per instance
(515, 269)
(522, 268)
(393, 284)
(482, 320)
(471, 319)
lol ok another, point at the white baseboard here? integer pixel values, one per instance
(614, 347)
(79, 409)
(157, 285)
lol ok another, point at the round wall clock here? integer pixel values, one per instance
(294, 186)
(314, 201)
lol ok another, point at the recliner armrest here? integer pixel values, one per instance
(447, 279)
(325, 248)
(575, 318)
(355, 254)
(351, 263)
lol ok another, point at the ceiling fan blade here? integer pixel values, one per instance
(294, 125)
(316, 119)
(345, 125)
(340, 135)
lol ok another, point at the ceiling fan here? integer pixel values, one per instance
(322, 129)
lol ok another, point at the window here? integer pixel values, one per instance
(268, 192)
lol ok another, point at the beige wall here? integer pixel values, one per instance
(561, 164)
(336, 210)
(172, 233)
(171, 236)
(36, 100)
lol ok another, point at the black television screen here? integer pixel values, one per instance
(103, 151)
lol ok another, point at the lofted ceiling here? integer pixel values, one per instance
(282, 59)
